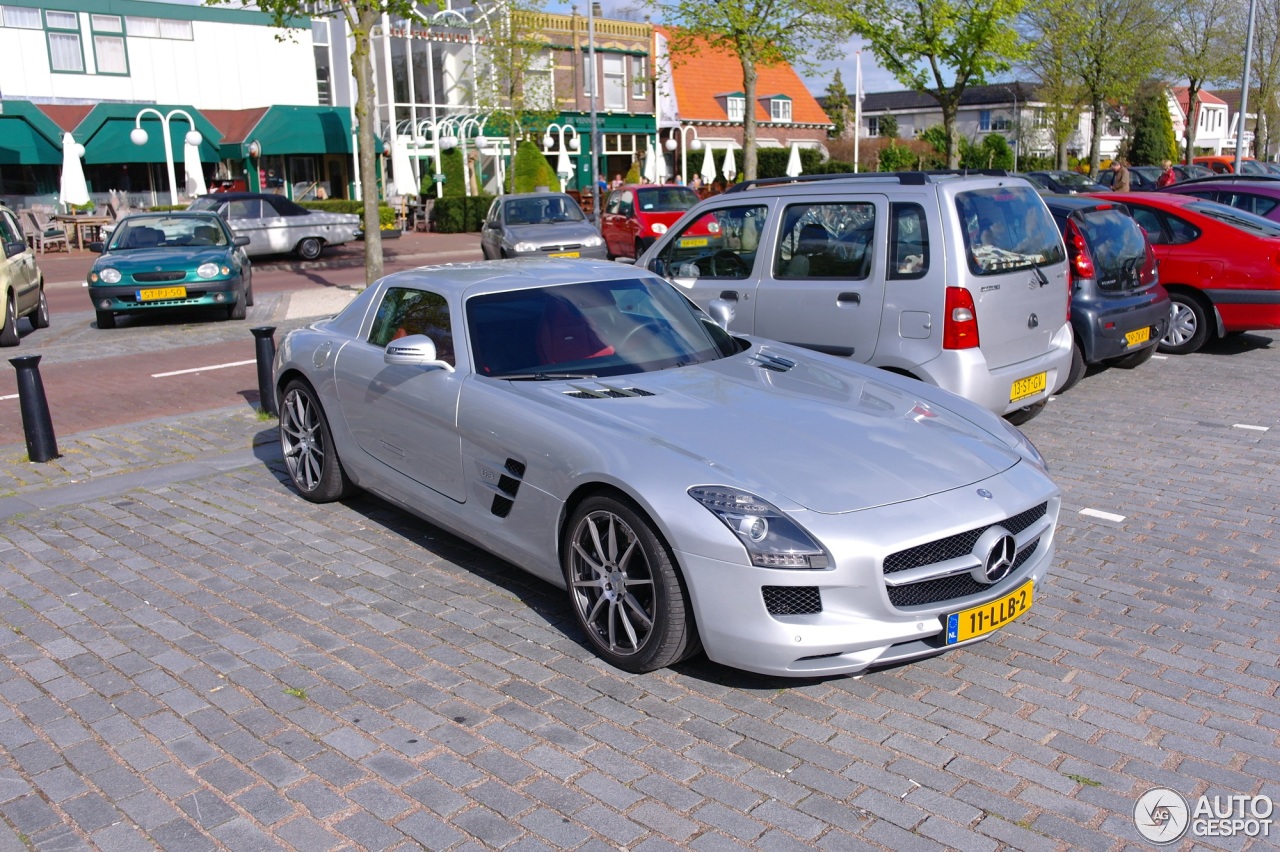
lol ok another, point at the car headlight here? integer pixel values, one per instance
(658, 228)
(526, 247)
(771, 538)
(592, 241)
(109, 275)
(1023, 445)
(211, 270)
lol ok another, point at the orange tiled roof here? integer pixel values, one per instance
(1180, 94)
(700, 76)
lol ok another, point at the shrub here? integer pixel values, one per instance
(772, 162)
(460, 214)
(531, 170)
(633, 174)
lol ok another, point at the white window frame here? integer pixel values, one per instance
(780, 110)
(21, 18)
(539, 85)
(67, 33)
(588, 75)
(613, 70)
(735, 107)
(639, 77)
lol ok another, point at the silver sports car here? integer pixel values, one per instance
(788, 512)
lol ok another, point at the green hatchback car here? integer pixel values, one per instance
(155, 261)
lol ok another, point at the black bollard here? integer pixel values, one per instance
(42, 445)
(266, 353)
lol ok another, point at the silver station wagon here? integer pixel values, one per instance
(789, 512)
(957, 280)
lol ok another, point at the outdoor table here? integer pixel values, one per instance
(85, 228)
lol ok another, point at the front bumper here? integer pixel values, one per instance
(591, 252)
(127, 298)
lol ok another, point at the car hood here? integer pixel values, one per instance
(828, 437)
(167, 257)
(547, 234)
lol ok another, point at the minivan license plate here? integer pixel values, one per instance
(981, 620)
(1140, 335)
(1028, 386)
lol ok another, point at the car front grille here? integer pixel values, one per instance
(951, 547)
(792, 600)
(151, 277)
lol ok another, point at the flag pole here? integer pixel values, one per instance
(857, 111)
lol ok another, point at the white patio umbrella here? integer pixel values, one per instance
(194, 169)
(73, 190)
(402, 170)
(708, 170)
(730, 166)
(793, 162)
(650, 165)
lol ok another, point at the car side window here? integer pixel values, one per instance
(626, 204)
(721, 243)
(1259, 205)
(1150, 222)
(405, 311)
(1180, 230)
(908, 241)
(615, 200)
(246, 208)
(826, 241)
(10, 231)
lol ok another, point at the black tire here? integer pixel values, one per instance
(1133, 359)
(1025, 415)
(106, 319)
(1188, 325)
(239, 310)
(613, 602)
(309, 454)
(40, 319)
(309, 248)
(1077, 369)
(248, 295)
(9, 328)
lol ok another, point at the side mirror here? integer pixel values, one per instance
(14, 249)
(722, 311)
(240, 240)
(97, 246)
(416, 350)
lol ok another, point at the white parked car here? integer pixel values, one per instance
(276, 225)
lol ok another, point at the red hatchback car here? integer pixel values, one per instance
(634, 216)
(1220, 265)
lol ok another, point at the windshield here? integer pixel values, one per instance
(660, 198)
(596, 328)
(539, 210)
(1252, 167)
(1237, 218)
(1007, 228)
(1074, 180)
(140, 232)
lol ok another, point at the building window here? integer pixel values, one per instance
(21, 18)
(1001, 123)
(780, 109)
(158, 28)
(539, 85)
(324, 84)
(873, 125)
(639, 77)
(109, 51)
(615, 82)
(65, 53)
(736, 107)
(984, 120)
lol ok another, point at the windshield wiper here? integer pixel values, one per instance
(543, 377)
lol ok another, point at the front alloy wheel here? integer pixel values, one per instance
(624, 587)
(1188, 325)
(309, 455)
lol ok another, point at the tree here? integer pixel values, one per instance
(1152, 139)
(1052, 61)
(760, 33)
(942, 47)
(888, 127)
(1201, 53)
(838, 105)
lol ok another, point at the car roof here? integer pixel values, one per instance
(474, 278)
(1157, 199)
(173, 214)
(1263, 183)
(510, 195)
(1071, 203)
(802, 184)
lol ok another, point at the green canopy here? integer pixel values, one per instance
(106, 133)
(28, 137)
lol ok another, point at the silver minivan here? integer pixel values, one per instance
(959, 280)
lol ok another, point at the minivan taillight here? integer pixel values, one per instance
(960, 326)
(1078, 251)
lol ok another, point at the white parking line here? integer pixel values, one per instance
(1253, 428)
(10, 396)
(202, 369)
(1098, 513)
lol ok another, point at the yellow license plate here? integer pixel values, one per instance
(564, 254)
(156, 294)
(1141, 335)
(693, 242)
(981, 620)
(1029, 386)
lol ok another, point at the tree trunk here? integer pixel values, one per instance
(949, 109)
(362, 68)
(1189, 132)
(1095, 137)
(749, 80)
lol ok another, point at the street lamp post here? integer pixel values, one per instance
(684, 130)
(563, 167)
(139, 137)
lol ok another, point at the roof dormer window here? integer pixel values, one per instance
(780, 108)
(735, 107)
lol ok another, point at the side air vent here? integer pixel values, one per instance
(508, 486)
(515, 468)
(769, 361)
(501, 506)
(792, 600)
(603, 391)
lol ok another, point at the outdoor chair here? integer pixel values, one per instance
(43, 234)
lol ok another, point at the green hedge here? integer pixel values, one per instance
(772, 162)
(386, 214)
(457, 215)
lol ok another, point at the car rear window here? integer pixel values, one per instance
(1116, 245)
(1007, 228)
(1237, 218)
(661, 198)
(1073, 180)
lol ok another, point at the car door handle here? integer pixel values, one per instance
(849, 299)
(729, 295)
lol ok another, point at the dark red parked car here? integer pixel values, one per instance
(635, 216)
(1220, 265)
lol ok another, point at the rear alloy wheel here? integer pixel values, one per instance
(106, 319)
(1188, 325)
(309, 453)
(624, 588)
(9, 330)
(1076, 371)
(309, 248)
(40, 319)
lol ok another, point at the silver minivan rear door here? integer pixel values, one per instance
(1014, 267)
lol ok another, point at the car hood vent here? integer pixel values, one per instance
(769, 361)
(604, 391)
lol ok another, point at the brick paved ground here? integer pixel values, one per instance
(191, 657)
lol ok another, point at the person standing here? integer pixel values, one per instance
(1168, 177)
(1119, 175)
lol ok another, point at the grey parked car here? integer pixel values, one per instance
(276, 225)
(539, 224)
(789, 512)
(957, 280)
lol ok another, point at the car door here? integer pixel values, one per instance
(283, 232)
(17, 265)
(610, 222)
(724, 265)
(491, 231)
(824, 287)
(246, 219)
(1174, 241)
(406, 416)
